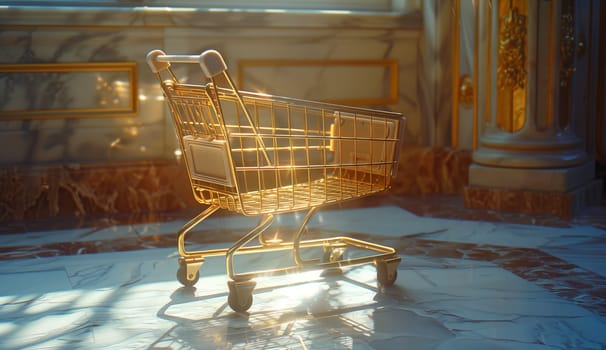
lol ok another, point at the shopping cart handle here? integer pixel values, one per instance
(154, 63)
(210, 61)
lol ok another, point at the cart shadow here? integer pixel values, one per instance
(319, 315)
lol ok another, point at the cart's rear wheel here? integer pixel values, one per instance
(387, 272)
(182, 276)
(385, 279)
(240, 297)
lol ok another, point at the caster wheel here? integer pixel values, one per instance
(332, 255)
(240, 303)
(184, 279)
(387, 272)
(385, 279)
(240, 297)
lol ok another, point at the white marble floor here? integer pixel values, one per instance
(461, 285)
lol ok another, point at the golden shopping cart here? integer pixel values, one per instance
(261, 155)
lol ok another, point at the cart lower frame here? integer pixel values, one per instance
(241, 285)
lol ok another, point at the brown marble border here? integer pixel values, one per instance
(72, 192)
(77, 191)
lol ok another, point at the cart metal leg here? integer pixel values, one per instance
(297, 239)
(385, 260)
(190, 262)
(241, 287)
(263, 225)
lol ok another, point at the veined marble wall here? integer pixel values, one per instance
(75, 88)
(435, 65)
(62, 113)
(53, 114)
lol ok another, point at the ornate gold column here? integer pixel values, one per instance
(528, 157)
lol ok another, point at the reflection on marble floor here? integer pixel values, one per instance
(462, 284)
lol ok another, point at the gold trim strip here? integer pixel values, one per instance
(600, 74)
(489, 69)
(550, 76)
(391, 64)
(454, 131)
(476, 64)
(599, 135)
(132, 110)
(529, 147)
(600, 114)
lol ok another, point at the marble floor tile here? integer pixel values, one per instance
(129, 300)
(462, 284)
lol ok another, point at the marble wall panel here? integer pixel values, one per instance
(434, 74)
(345, 81)
(463, 124)
(78, 137)
(83, 35)
(69, 141)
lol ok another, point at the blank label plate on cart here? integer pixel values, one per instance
(208, 160)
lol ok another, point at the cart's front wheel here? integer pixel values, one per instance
(240, 297)
(387, 272)
(184, 279)
(332, 255)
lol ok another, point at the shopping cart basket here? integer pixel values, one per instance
(261, 155)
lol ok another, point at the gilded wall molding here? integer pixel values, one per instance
(456, 86)
(511, 65)
(511, 71)
(567, 61)
(391, 67)
(567, 43)
(50, 90)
